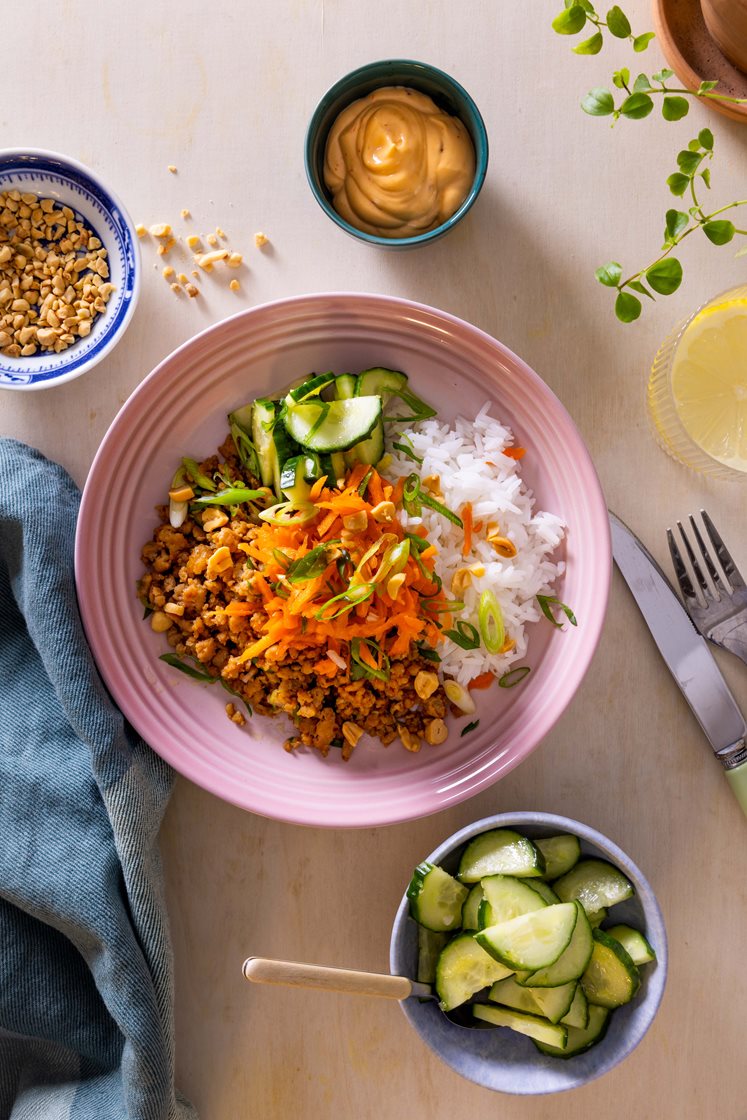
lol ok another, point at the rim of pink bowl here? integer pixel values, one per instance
(466, 778)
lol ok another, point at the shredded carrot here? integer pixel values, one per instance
(515, 452)
(375, 489)
(467, 523)
(317, 488)
(484, 680)
(315, 613)
(397, 492)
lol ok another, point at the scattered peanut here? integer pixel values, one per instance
(436, 732)
(351, 732)
(161, 229)
(219, 562)
(211, 239)
(432, 482)
(235, 286)
(167, 272)
(235, 715)
(193, 241)
(184, 213)
(172, 168)
(192, 291)
(355, 522)
(140, 230)
(214, 519)
(502, 545)
(160, 622)
(461, 579)
(425, 684)
(409, 741)
(261, 239)
(53, 275)
(384, 511)
(235, 260)
(176, 609)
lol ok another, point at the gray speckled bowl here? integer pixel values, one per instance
(509, 1062)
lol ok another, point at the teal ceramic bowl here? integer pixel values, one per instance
(447, 93)
(500, 1059)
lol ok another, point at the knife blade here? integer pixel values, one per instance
(686, 654)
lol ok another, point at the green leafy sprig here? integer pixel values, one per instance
(638, 99)
(664, 275)
(580, 14)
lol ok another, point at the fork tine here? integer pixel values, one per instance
(732, 573)
(702, 582)
(680, 571)
(713, 571)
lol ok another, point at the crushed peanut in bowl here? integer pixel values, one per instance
(54, 275)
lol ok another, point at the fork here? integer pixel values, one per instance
(717, 608)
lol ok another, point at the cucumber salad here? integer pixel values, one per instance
(348, 560)
(523, 936)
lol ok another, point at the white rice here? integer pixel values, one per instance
(468, 460)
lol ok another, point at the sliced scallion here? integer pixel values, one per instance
(514, 676)
(546, 603)
(464, 635)
(490, 618)
(198, 477)
(234, 496)
(360, 668)
(309, 566)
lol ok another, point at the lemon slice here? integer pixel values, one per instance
(709, 382)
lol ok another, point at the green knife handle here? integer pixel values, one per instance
(737, 779)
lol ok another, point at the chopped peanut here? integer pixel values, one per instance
(261, 239)
(425, 684)
(384, 511)
(436, 732)
(235, 286)
(161, 229)
(220, 561)
(140, 230)
(160, 622)
(356, 522)
(409, 741)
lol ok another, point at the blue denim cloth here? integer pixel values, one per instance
(86, 991)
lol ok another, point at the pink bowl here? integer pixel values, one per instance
(180, 409)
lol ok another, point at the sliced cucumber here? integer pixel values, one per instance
(531, 941)
(345, 386)
(506, 897)
(611, 979)
(510, 994)
(471, 908)
(293, 481)
(388, 383)
(561, 854)
(544, 891)
(634, 943)
(549, 1034)
(595, 883)
(500, 852)
(553, 1003)
(311, 387)
(380, 382)
(436, 898)
(463, 969)
(240, 424)
(272, 443)
(572, 963)
(597, 917)
(578, 1012)
(370, 450)
(333, 425)
(430, 947)
(263, 420)
(334, 466)
(579, 1038)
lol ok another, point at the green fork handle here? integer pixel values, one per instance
(737, 779)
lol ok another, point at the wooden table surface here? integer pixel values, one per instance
(223, 92)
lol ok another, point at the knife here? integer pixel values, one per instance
(687, 655)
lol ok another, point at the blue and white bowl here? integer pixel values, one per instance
(508, 1062)
(68, 182)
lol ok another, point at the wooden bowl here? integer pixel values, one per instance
(693, 55)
